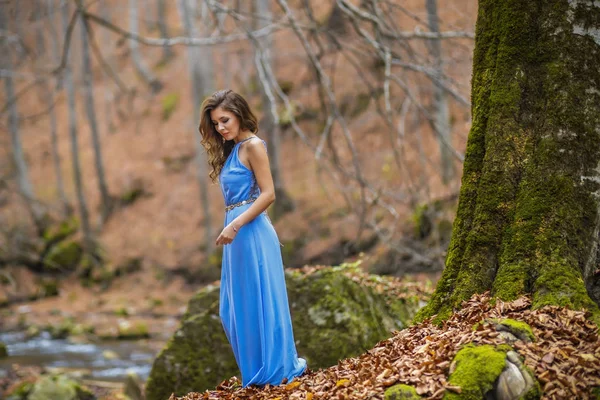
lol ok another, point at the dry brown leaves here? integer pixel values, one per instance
(565, 357)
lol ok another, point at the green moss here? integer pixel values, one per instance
(62, 329)
(59, 387)
(48, 288)
(401, 392)
(122, 312)
(518, 328)
(61, 231)
(131, 195)
(63, 256)
(169, 103)
(3, 350)
(477, 368)
(132, 331)
(19, 391)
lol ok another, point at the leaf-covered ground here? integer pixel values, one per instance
(565, 357)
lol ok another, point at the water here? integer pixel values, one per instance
(105, 361)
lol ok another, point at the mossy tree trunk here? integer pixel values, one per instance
(528, 218)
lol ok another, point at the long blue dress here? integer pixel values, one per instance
(254, 306)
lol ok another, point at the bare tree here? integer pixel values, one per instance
(202, 77)
(49, 97)
(161, 11)
(91, 116)
(270, 121)
(140, 66)
(73, 135)
(440, 97)
(23, 182)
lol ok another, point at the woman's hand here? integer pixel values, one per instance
(227, 235)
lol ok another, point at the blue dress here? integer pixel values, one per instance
(253, 305)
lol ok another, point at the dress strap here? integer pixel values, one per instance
(242, 141)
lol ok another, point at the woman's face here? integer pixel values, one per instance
(226, 123)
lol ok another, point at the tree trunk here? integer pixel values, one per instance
(23, 182)
(528, 218)
(141, 68)
(284, 202)
(66, 207)
(168, 53)
(202, 78)
(70, 89)
(109, 96)
(440, 97)
(91, 116)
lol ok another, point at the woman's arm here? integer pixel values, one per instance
(259, 164)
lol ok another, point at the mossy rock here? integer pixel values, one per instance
(61, 231)
(48, 288)
(401, 392)
(333, 318)
(59, 387)
(489, 371)
(19, 390)
(63, 256)
(518, 328)
(132, 331)
(477, 368)
(3, 350)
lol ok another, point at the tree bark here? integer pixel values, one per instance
(440, 97)
(168, 53)
(528, 217)
(23, 182)
(202, 77)
(76, 165)
(141, 68)
(66, 207)
(284, 202)
(93, 123)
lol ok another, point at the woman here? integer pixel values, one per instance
(253, 306)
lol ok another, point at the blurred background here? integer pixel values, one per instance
(107, 215)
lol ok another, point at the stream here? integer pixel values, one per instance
(103, 361)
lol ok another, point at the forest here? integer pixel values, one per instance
(436, 175)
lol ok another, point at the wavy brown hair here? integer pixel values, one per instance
(216, 146)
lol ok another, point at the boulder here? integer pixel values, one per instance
(401, 392)
(3, 350)
(491, 372)
(59, 387)
(334, 317)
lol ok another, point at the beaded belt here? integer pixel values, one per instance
(241, 203)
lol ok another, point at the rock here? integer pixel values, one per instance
(61, 231)
(19, 390)
(3, 350)
(511, 383)
(401, 392)
(131, 331)
(59, 387)
(515, 381)
(491, 372)
(133, 387)
(518, 328)
(110, 355)
(63, 256)
(333, 317)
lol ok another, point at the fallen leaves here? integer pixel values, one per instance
(565, 357)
